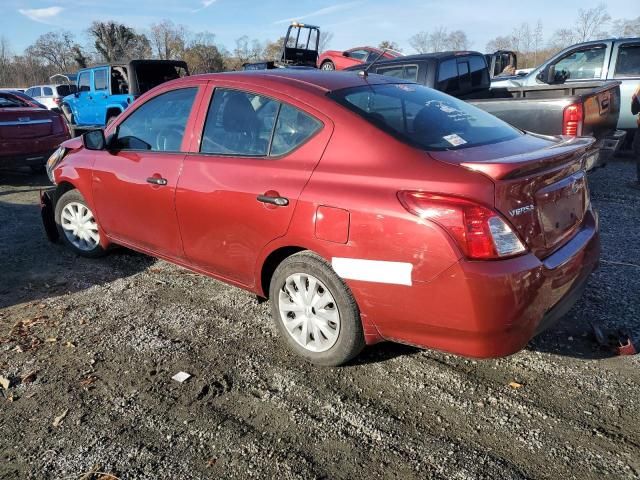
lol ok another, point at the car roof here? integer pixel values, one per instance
(308, 79)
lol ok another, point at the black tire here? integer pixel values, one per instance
(74, 196)
(327, 65)
(350, 341)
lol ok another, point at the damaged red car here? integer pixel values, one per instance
(365, 208)
(337, 60)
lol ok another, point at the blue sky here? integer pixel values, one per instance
(353, 22)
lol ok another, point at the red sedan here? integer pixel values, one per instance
(365, 209)
(29, 133)
(336, 60)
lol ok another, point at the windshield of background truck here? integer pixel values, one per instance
(424, 117)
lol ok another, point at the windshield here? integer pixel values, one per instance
(424, 117)
(11, 101)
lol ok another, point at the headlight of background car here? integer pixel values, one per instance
(54, 159)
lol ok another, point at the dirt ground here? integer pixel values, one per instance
(90, 346)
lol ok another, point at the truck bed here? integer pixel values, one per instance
(540, 109)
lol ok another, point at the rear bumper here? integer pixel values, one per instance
(12, 155)
(607, 148)
(489, 309)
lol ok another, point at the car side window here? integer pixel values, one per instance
(582, 64)
(100, 79)
(406, 72)
(239, 123)
(628, 62)
(359, 54)
(247, 124)
(84, 82)
(293, 128)
(448, 76)
(479, 72)
(47, 91)
(158, 125)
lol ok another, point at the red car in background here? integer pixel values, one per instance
(29, 133)
(365, 208)
(335, 60)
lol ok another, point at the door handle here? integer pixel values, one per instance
(157, 180)
(278, 201)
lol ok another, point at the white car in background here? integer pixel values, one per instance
(50, 95)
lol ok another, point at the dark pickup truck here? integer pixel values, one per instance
(589, 109)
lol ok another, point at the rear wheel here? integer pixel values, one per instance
(77, 225)
(327, 65)
(314, 311)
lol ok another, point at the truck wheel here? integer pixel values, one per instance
(77, 225)
(314, 310)
(327, 65)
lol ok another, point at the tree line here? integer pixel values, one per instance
(110, 41)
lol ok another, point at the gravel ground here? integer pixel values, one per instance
(90, 346)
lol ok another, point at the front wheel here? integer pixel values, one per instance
(77, 225)
(315, 311)
(327, 65)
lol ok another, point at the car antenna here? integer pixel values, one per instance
(365, 73)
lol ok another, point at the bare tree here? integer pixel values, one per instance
(420, 42)
(504, 42)
(590, 23)
(112, 40)
(273, 50)
(626, 28)
(325, 40)
(389, 45)
(59, 49)
(5, 61)
(457, 40)
(169, 40)
(538, 38)
(438, 39)
(562, 38)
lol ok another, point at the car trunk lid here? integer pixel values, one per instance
(23, 123)
(540, 185)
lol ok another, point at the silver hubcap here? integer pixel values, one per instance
(309, 312)
(79, 226)
(327, 66)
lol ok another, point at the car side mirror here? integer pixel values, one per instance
(94, 140)
(346, 54)
(548, 75)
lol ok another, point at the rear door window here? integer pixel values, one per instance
(628, 62)
(247, 124)
(585, 64)
(448, 76)
(479, 71)
(100, 79)
(293, 128)
(36, 92)
(47, 92)
(406, 72)
(158, 125)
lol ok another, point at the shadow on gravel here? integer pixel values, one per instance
(381, 352)
(34, 269)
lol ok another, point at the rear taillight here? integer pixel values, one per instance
(59, 125)
(572, 120)
(480, 232)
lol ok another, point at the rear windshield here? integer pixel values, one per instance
(424, 117)
(10, 101)
(64, 90)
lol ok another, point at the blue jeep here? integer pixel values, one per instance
(104, 91)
